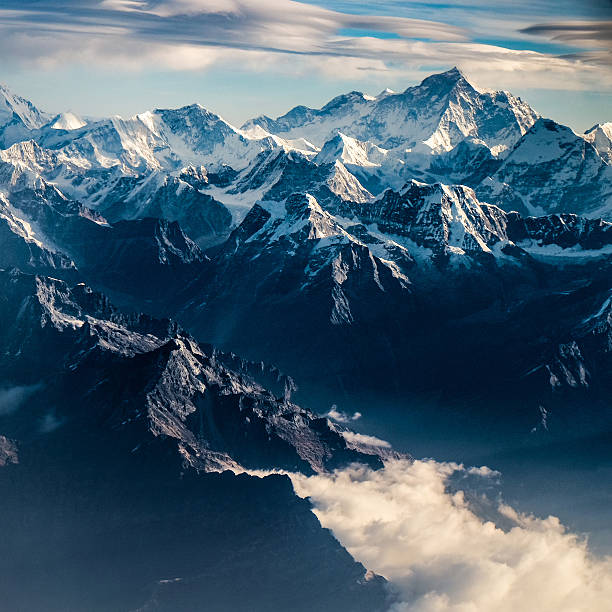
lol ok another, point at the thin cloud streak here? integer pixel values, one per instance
(195, 35)
(594, 35)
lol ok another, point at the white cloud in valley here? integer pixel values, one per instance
(429, 540)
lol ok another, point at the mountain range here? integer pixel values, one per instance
(443, 247)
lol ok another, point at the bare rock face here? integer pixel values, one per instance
(438, 217)
(161, 382)
(8, 452)
(564, 230)
(134, 443)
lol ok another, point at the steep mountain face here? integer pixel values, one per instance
(21, 248)
(18, 117)
(109, 530)
(469, 163)
(375, 168)
(48, 323)
(46, 233)
(351, 152)
(392, 289)
(149, 378)
(441, 130)
(206, 220)
(552, 169)
(441, 250)
(116, 425)
(117, 196)
(600, 136)
(566, 231)
(443, 219)
(294, 257)
(450, 220)
(437, 115)
(200, 136)
(159, 139)
(126, 143)
(277, 175)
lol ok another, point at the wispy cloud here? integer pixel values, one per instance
(445, 550)
(596, 36)
(267, 25)
(342, 417)
(296, 37)
(12, 398)
(362, 439)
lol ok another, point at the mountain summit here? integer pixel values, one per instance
(439, 113)
(18, 117)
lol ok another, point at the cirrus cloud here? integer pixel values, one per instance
(596, 36)
(283, 36)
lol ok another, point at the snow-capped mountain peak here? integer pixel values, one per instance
(300, 217)
(442, 83)
(350, 151)
(66, 121)
(15, 109)
(552, 169)
(385, 92)
(446, 219)
(439, 113)
(18, 117)
(600, 136)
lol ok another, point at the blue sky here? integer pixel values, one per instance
(245, 57)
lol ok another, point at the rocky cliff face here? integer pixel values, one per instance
(138, 372)
(113, 425)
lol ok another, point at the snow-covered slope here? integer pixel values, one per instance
(162, 139)
(443, 129)
(600, 136)
(66, 121)
(163, 196)
(18, 117)
(44, 232)
(23, 248)
(433, 116)
(118, 195)
(275, 175)
(350, 151)
(445, 219)
(552, 169)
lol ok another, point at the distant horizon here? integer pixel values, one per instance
(237, 121)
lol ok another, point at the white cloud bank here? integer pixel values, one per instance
(403, 523)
